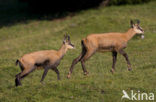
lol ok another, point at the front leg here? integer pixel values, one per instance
(44, 74)
(126, 58)
(114, 55)
(57, 72)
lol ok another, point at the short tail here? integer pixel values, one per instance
(20, 64)
(84, 50)
(17, 62)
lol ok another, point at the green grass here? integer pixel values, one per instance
(100, 85)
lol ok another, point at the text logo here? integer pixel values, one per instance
(137, 95)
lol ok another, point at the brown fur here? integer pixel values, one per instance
(108, 41)
(113, 42)
(47, 59)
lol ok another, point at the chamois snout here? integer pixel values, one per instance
(71, 46)
(137, 28)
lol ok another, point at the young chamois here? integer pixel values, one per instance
(113, 42)
(48, 59)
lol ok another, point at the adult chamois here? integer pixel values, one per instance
(113, 42)
(48, 59)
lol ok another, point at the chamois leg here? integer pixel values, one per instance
(17, 80)
(57, 72)
(84, 67)
(126, 57)
(114, 55)
(44, 73)
(76, 60)
(86, 57)
(23, 74)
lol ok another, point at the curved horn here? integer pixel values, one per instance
(68, 38)
(65, 37)
(131, 22)
(138, 22)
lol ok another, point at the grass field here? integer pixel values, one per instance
(100, 85)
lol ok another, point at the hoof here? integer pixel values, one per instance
(68, 76)
(86, 73)
(18, 85)
(17, 82)
(129, 69)
(112, 71)
(42, 83)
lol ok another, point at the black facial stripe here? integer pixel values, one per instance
(71, 45)
(140, 28)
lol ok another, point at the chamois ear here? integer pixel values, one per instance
(131, 23)
(138, 22)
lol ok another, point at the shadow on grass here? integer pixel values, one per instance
(22, 12)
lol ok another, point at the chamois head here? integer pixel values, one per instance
(67, 42)
(137, 27)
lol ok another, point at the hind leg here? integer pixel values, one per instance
(84, 68)
(86, 57)
(76, 60)
(17, 80)
(21, 75)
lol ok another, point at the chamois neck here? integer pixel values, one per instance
(129, 34)
(62, 50)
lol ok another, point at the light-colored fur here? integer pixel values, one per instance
(108, 41)
(47, 59)
(113, 42)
